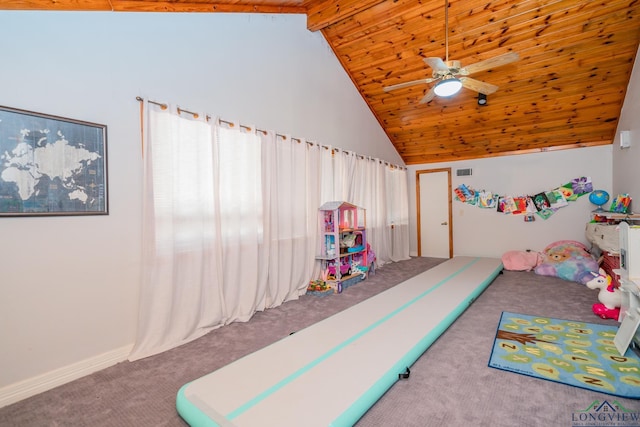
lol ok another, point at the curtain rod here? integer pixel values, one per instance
(195, 115)
(230, 124)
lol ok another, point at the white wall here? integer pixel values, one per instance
(626, 160)
(69, 285)
(485, 232)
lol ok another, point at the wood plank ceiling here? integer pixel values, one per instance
(565, 91)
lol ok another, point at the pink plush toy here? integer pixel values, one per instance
(609, 296)
(521, 261)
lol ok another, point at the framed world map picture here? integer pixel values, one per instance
(51, 165)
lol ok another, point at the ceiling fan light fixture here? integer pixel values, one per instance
(448, 86)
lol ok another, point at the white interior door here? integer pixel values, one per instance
(435, 229)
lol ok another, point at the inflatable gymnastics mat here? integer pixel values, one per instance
(332, 372)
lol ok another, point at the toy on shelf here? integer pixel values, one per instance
(343, 251)
(356, 268)
(609, 296)
(371, 258)
(321, 287)
(599, 198)
(621, 204)
(345, 268)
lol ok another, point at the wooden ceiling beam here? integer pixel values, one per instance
(57, 5)
(205, 6)
(153, 6)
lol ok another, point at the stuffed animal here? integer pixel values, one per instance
(568, 260)
(357, 269)
(609, 296)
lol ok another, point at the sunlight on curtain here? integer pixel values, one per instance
(230, 226)
(292, 197)
(180, 290)
(328, 186)
(397, 206)
(380, 189)
(365, 192)
(239, 171)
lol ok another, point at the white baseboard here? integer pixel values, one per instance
(32, 386)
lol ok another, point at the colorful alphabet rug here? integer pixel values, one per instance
(574, 353)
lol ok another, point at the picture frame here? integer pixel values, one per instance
(51, 165)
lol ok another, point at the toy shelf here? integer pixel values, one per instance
(615, 216)
(343, 239)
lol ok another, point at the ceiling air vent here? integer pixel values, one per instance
(463, 172)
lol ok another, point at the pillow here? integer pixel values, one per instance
(568, 260)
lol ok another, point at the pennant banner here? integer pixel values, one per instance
(543, 204)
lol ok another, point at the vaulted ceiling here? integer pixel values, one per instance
(565, 91)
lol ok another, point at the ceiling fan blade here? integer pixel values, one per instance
(428, 97)
(478, 86)
(407, 84)
(436, 64)
(496, 61)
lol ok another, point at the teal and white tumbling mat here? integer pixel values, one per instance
(332, 372)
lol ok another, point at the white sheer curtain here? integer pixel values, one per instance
(229, 225)
(291, 197)
(397, 205)
(382, 190)
(328, 187)
(182, 269)
(230, 220)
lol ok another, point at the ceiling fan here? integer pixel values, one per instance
(451, 76)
